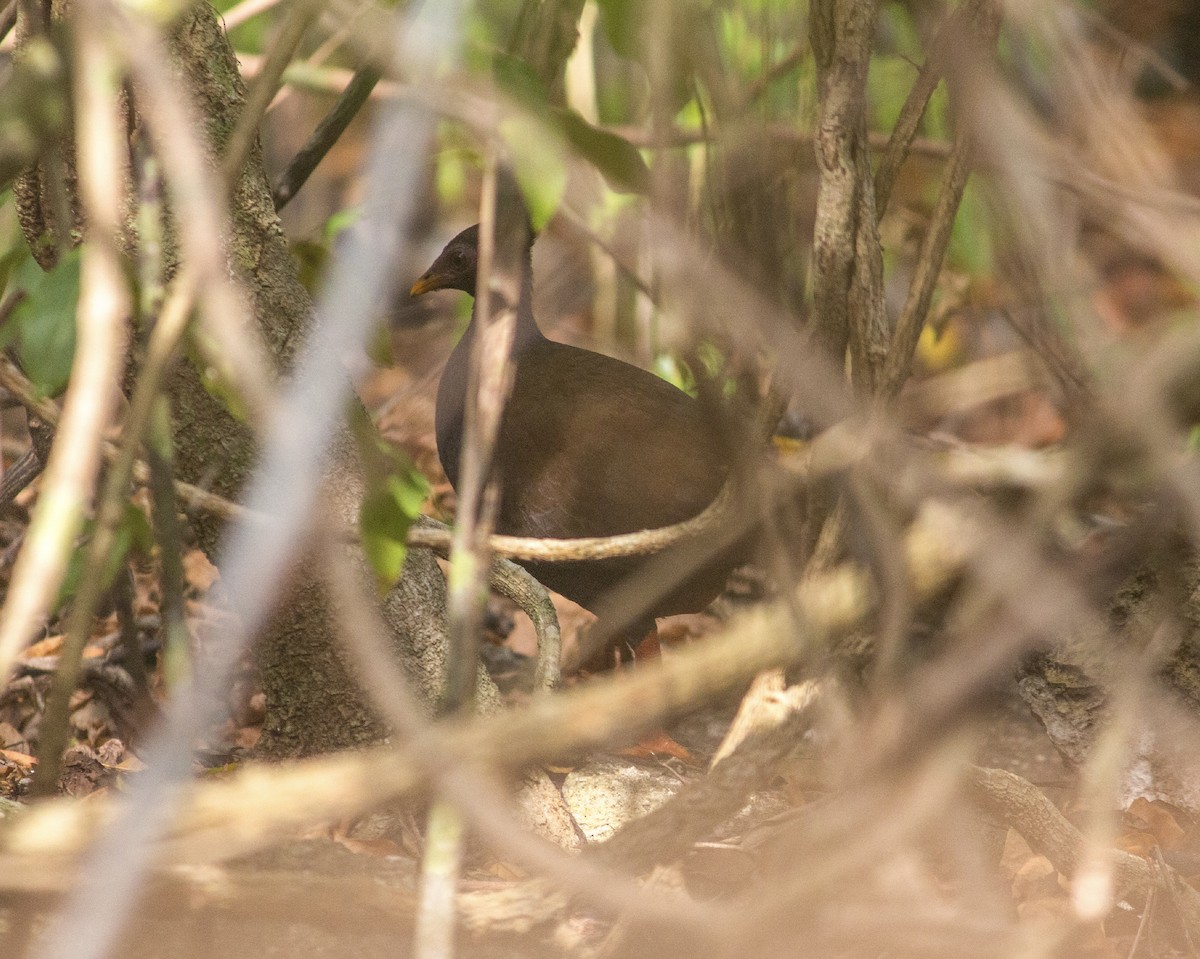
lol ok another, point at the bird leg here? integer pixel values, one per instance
(657, 743)
(600, 654)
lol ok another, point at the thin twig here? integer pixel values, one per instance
(167, 533)
(1022, 806)
(94, 384)
(23, 472)
(264, 87)
(1143, 922)
(105, 303)
(667, 833)
(124, 591)
(905, 130)
(312, 76)
(885, 539)
(898, 363)
(327, 133)
(17, 385)
(436, 915)
(245, 11)
(159, 442)
(583, 718)
(1183, 900)
(160, 354)
(670, 138)
(488, 384)
(33, 460)
(194, 497)
(983, 20)
(777, 71)
(641, 543)
(518, 584)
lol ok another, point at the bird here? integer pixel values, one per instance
(587, 446)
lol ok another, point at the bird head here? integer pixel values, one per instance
(455, 267)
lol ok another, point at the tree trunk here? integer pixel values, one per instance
(313, 704)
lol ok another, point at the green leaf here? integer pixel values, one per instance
(340, 221)
(537, 155)
(312, 256)
(623, 21)
(971, 236)
(132, 536)
(517, 78)
(387, 512)
(615, 157)
(669, 367)
(888, 82)
(136, 532)
(451, 177)
(44, 322)
(539, 164)
(628, 24)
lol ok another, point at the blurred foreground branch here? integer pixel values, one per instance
(259, 805)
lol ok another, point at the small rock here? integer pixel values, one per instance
(607, 793)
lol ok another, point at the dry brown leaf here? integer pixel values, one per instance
(45, 647)
(12, 738)
(110, 752)
(199, 571)
(658, 745)
(82, 773)
(686, 628)
(1016, 854)
(130, 764)
(502, 870)
(1158, 819)
(50, 647)
(1035, 879)
(18, 759)
(206, 614)
(247, 737)
(323, 830)
(380, 848)
(1137, 843)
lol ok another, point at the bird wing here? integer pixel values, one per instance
(616, 449)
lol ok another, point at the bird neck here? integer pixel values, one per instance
(452, 391)
(527, 331)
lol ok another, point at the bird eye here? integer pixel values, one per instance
(457, 256)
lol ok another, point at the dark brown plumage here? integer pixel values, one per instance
(588, 446)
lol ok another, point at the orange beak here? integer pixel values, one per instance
(427, 283)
